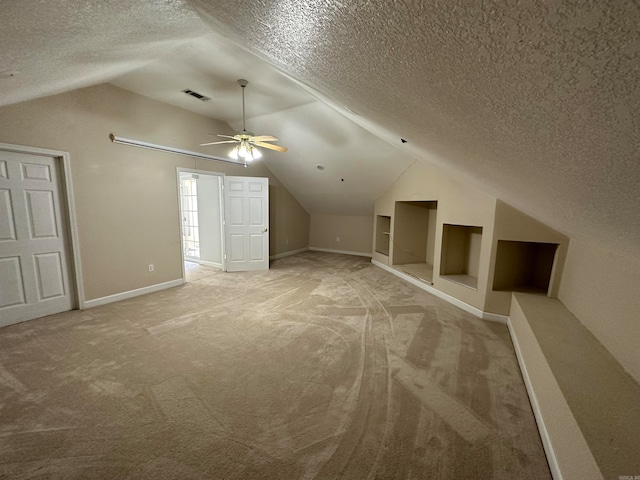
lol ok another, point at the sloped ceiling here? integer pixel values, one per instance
(536, 102)
(49, 47)
(357, 166)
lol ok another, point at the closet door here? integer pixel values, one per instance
(34, 269)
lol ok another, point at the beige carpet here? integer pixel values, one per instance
(323, 367)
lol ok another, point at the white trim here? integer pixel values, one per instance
(288, 254)
(183, 257)
(567, 451)
(73, 230)
(177, 151)
(70, 207)
(495, 317)
(490, 317)
(223, 223)
(96, 302)
(344, 252)
(207, 263)
(535, 406)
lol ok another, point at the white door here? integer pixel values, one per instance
(246, 223)
(34, 272)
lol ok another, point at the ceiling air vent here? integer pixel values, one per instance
(197, 95)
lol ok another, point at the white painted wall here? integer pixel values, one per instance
(209, 218)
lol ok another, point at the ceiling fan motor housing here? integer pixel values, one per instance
(247, 140)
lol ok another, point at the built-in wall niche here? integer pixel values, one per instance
(414, 238)
(524, 266)
(383, 230)
(460, 257)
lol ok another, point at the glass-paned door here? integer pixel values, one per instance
(189, 212)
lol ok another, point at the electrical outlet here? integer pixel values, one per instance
(286, 241)
(338, 239)
(151, 267)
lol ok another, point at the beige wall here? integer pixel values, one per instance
(126, 197)
(289, 222)
(413, 220)
(513, 225)
(458, 204)
(355, 233)
(602, 289)
(461, 204)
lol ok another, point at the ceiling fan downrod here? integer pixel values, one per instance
(243, 83)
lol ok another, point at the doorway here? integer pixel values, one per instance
(224, 221)
(201, 226)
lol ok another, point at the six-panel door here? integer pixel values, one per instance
(34, 271)
(247, 223)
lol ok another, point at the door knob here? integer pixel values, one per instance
(265, 230)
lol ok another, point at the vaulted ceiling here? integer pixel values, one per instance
(535, 102)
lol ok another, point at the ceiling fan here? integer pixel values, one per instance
(247, 141)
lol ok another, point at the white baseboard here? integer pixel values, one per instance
(343, 252)
(495, 317)
(96, 302)
(288, 254)
(535, 406)
(567, 451)
(490, 317)
(208, 264)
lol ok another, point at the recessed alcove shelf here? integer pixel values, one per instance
(414, 234)
(383, 229)
(523, 266)
(460, 257)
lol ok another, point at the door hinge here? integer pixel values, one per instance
(225, 256)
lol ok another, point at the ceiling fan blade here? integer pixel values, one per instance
(277, 148)
(264, 138)
(246, 139)
(218, 143)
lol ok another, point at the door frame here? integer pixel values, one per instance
(68, 209)
(180, 170)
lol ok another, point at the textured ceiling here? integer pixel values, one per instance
(211, 65)
(537, 102)
(56, 46)
(160, 48)
(358, 166)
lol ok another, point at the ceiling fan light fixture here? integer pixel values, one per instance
(245, 151)
(247, 143)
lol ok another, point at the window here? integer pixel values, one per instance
(189, 212)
